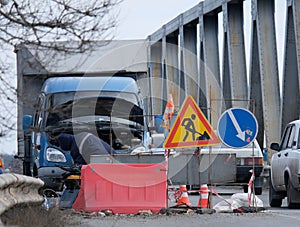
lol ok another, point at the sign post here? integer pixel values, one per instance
(238, 128)
(191, 129)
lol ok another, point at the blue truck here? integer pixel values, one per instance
(109, 107)
(96, 92)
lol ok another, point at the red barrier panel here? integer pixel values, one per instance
(122, 188)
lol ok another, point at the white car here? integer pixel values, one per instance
(285, 168)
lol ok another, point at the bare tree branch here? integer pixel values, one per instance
(68, 26)
(35, 22)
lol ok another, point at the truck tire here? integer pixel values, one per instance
(245, 188)
(258, 190)
(274, 201)
(258, 186)
(291, 192)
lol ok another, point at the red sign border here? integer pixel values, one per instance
(190, 102)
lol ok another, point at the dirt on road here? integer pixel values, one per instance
(24, 216)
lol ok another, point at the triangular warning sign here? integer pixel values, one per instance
(191, 128)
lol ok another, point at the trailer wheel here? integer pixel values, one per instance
(258, 190)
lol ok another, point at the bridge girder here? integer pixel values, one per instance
(189, 63)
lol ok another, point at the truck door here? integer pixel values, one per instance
(37, 124)
(281, 158)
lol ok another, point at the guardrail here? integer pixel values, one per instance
(19, 189)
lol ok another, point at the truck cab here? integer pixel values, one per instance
(109, 107)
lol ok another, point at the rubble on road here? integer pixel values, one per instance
(239, 203)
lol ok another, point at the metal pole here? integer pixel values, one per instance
(27, 155)
(253, 169)
(209, 156)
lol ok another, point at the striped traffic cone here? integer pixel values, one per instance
(203, 199)
(184, 198)
(169, 111)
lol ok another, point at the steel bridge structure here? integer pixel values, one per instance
(184, 59)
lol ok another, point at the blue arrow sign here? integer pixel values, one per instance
(237, 127)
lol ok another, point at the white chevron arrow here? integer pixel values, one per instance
(240, 135)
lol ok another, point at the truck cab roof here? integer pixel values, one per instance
(90, 83)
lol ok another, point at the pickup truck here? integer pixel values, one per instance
(284, 180)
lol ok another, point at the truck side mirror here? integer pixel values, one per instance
(274, 146)
(27, 122)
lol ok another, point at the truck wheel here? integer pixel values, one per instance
(290, 191)
(274, 201)
(258, 190)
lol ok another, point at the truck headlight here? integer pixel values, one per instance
(54, 155)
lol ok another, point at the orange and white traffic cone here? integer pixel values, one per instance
(184, 198)
(169, 111)
(203, 200)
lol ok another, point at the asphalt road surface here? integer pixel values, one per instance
(270, 217)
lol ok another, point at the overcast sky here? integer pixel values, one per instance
(140, 18)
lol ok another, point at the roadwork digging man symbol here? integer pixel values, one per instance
(190, 128)
(188, 124)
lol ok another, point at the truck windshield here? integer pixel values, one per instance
(68, 106)
(64, 97)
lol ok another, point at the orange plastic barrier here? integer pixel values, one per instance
(122, 188)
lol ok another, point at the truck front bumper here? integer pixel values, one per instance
(52, 177)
